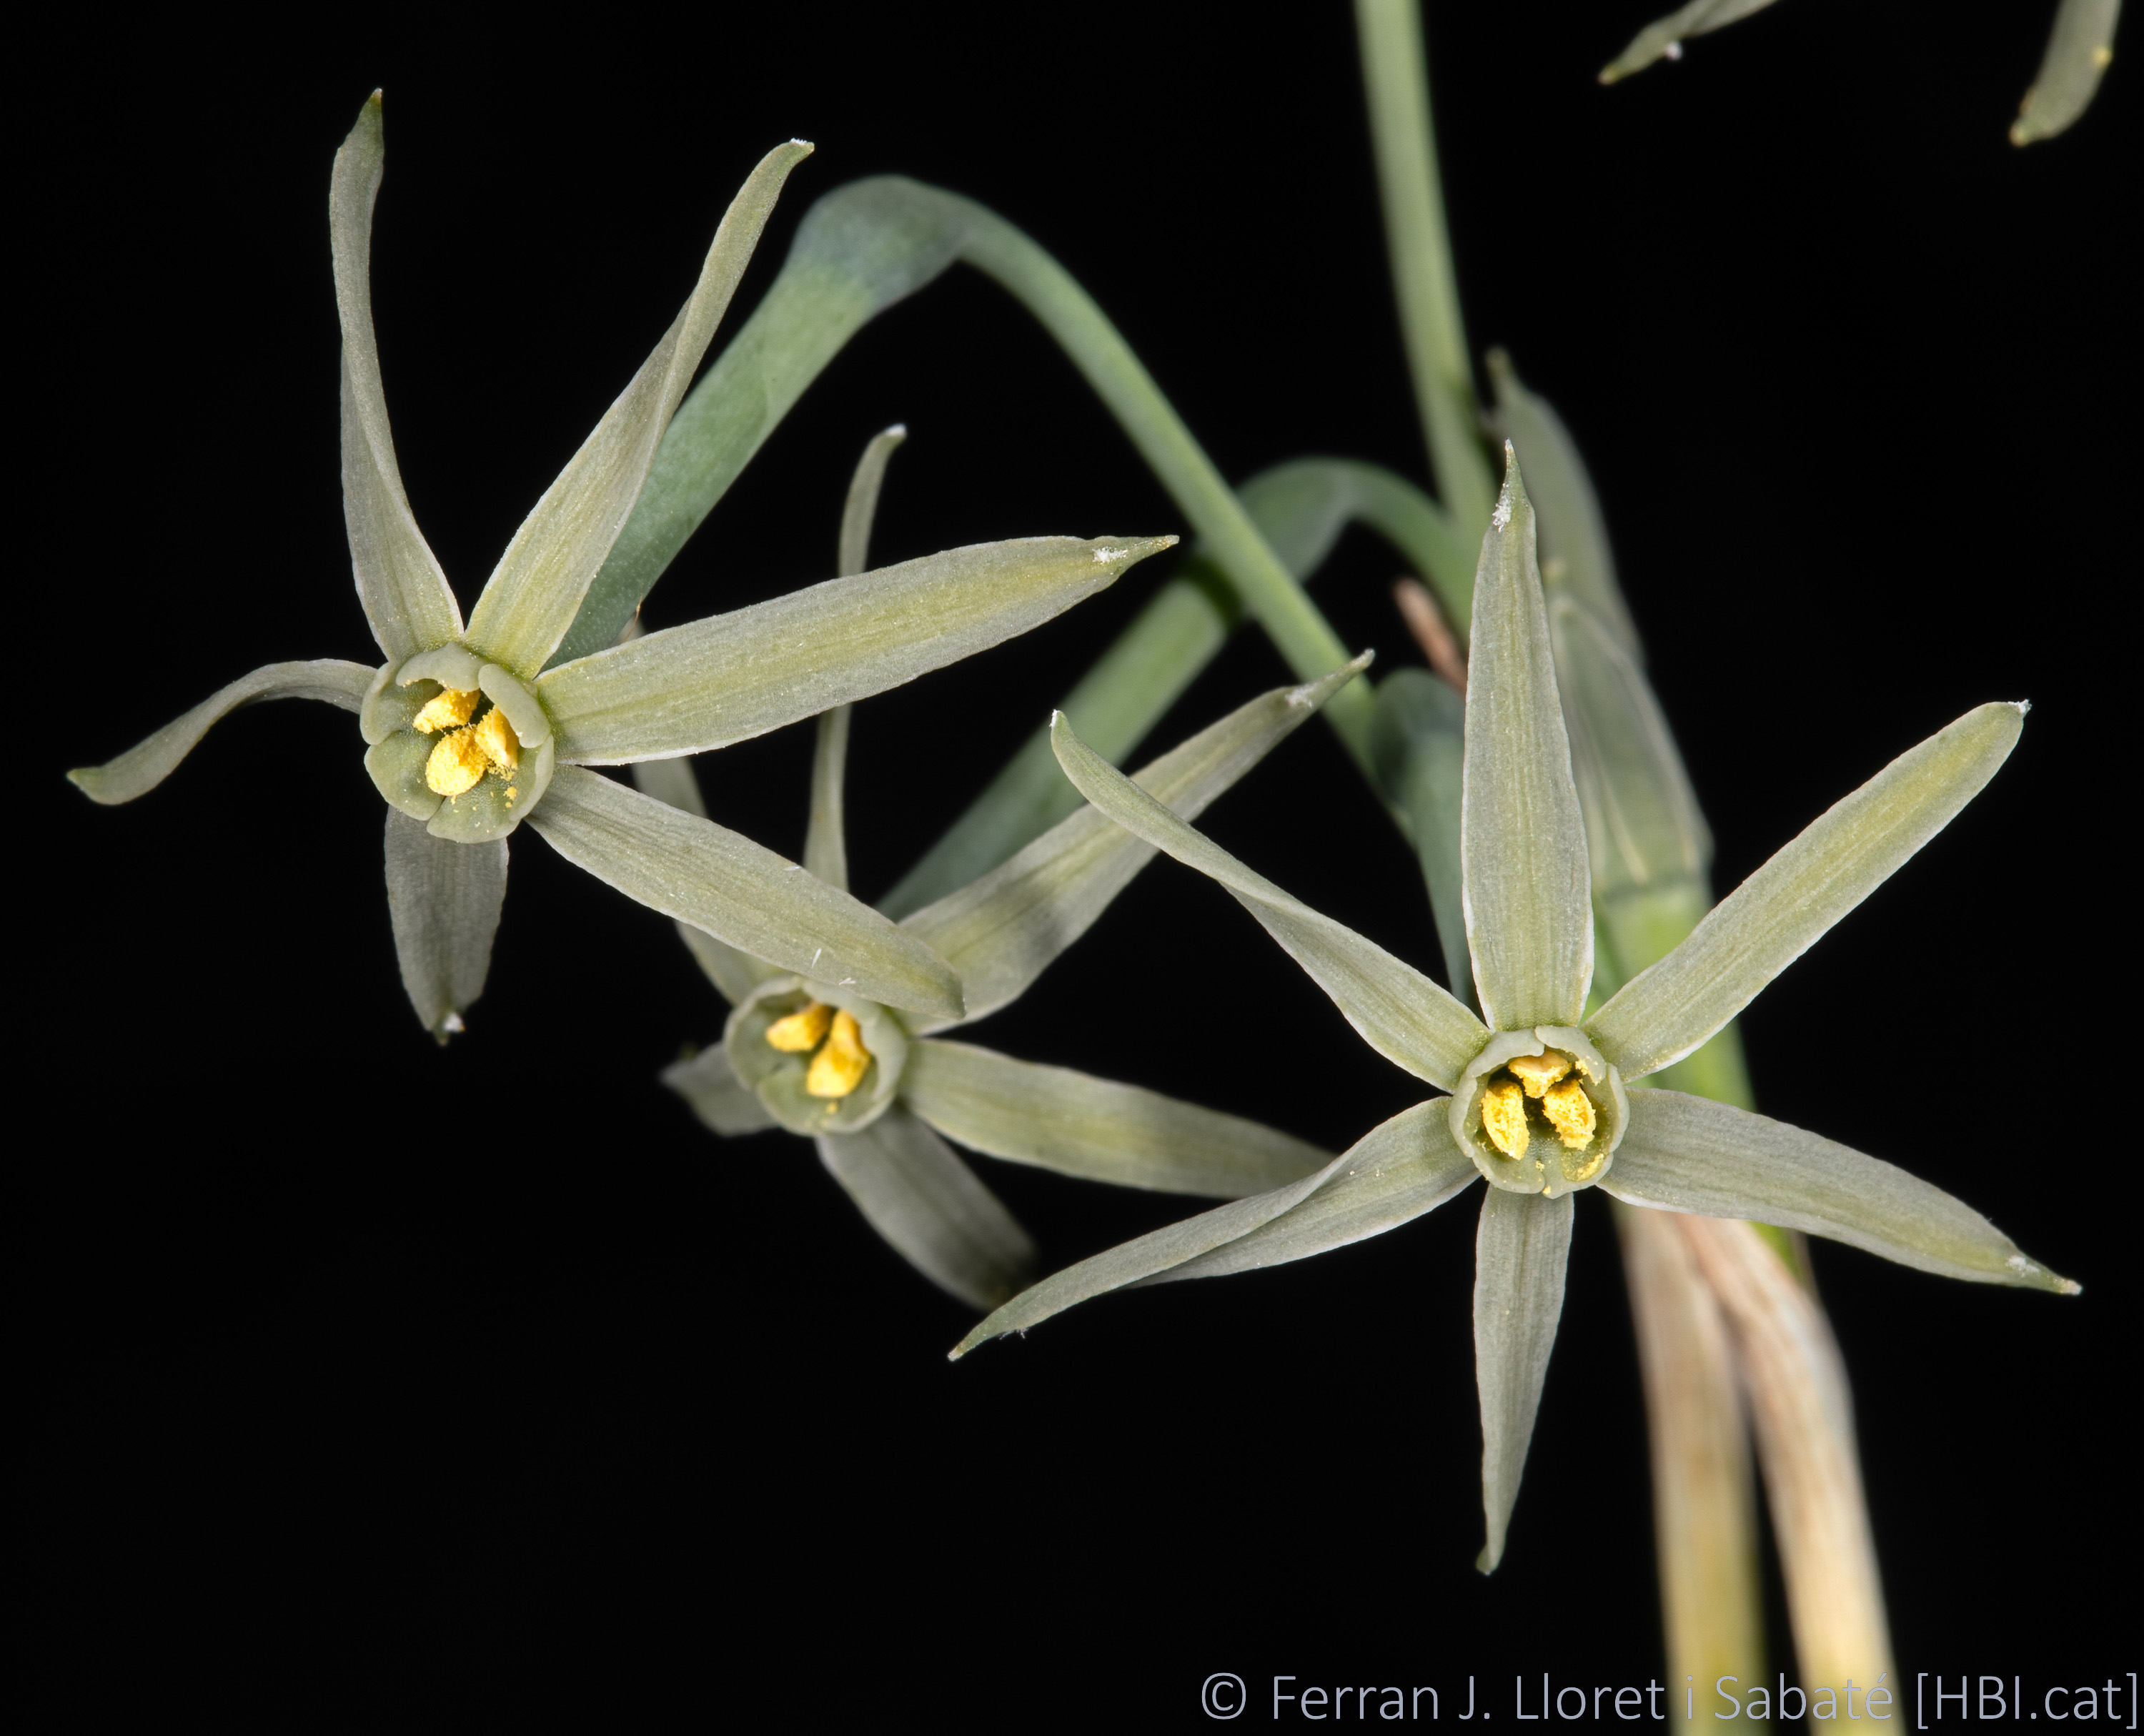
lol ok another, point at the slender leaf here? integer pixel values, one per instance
(1520, 1252)
(2080, 49)
(735, 974)
(406, 596)
(1688, 1154)
(148, 763)
(711, 877)
(443, 900)
(931, 1208)
(722, 1100)
(1784, 908)
(1106, 1132)
(1665, 35)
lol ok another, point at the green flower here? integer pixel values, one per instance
(472, 729)
(874, 1088)
(1539, 1106)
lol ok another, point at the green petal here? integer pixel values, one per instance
(1142, 1257)
(405, 595)
(1529, 897)
(1399, 1012)
(143, 766)
(1520, 1252)
(396, 764)
(1688, 1154)
(735, 974)
(531, 727)
(1390, 1176)
(731, 676)
(2079, 50)
(750, 897)
(1784, 909)
(1003, 930)
(1665, 35)
(1419, 744)
(1106, 1132)
(722, 1100)
(443, 899)
(931, 1208)
(536, 590)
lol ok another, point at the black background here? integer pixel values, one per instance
(365, 1382)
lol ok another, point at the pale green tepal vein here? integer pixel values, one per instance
(1538, 1105)
(467, 733)
(875, 1090)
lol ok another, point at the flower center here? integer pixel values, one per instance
(466, 750)
(839, 1061)
(1540, 1111)
(1545, 1079)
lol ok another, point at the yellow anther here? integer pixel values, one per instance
(1537, 1073)
(447, 709)
(801, 1030)
(495, 736)
(839, 1068)
(1504, 1117)
(1570, 1111)
(457, 763)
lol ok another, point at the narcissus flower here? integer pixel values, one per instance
(1539, 1106)
(471, 728)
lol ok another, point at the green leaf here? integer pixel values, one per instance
(1399, 1012)
(930, 1208)
(2080, 48)
(406, 596)
(1390, 1176)
(1002, 932)
(1520, 1252)
(732, 676)
(709, 876)
(443, 900)
(1784, 908)
(537, 587)
(1302, 507)
(735, 974)
(1420, 748)
(1688, 1154)
(1106, 1132)
(1528, 892)
(723, 1101)
(147, 764)
(1665, 35)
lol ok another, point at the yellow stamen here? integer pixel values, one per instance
(801, 1030)
(1504, 1117)
(447, 709)
(456, 765)
(1569, 1110)
(1537, 1073)
(839, 1068)
(495, 736)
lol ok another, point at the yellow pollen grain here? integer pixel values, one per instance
(1537, 1073)
(1570, 1111)
(495, 736)
(447, 709)
(1504, 1117)
(801, 1030)
(457, 763)
(839, 1068)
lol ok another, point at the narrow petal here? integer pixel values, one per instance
(536, 590)
(1079, 1125)
(1528, 895)
(443, 900)
(1784, 909)
(1142, 1257)
(1390, 1176)
(2080, 49)
(735, 974)
(1665, 36)
(722, 1100)
(1399, 1012)
(711, 877)
(732, 676)
(143, 766)
(1001, 932)
(1520, 1252)
(1419, 745)
(406, 596)
(1688, 1154)
(931, 1208)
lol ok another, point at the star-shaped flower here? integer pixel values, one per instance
(1538, 1105)
(472, 728)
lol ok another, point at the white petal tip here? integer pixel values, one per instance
(1102, 557)
(453, 1023)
